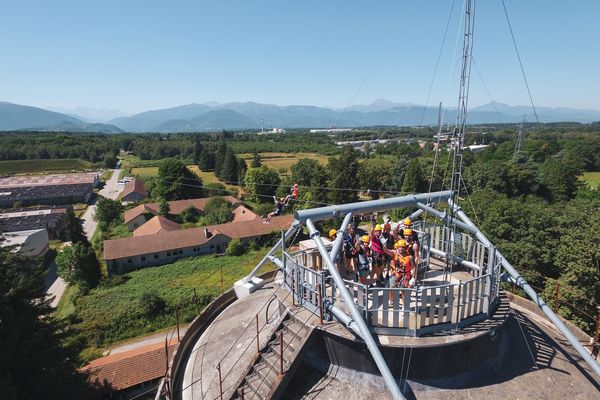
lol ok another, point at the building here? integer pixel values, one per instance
(136, 216)
(30, 243)
(21, 219)
(47, 189)
(165, 246)
(134, 191)
(130, 373)
(156, 225)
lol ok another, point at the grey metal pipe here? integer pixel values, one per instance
(337, 244)
(295, 225)
(522, 283)
(456, 259)
(322, 213)
(277, 262)
(362, 327)
(445, 217)
(342, 317)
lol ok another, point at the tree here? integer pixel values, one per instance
(107, 210)
(175, 182)
(215, 189)
(414, 180)
(256, 161)
(559, 179)
(78, 264)
(344, 174)
(36, 361)
(311, 177)
(110, 160)
(220, 152)
(197, 150)
(206, 161)
(73, 230)
(190, 214)
(217, 211)
(242, 168)
(235, 248)
(262, 182)
(229, 169)
(164, 209)
(397, 174)
(374, 175)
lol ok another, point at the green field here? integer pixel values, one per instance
(111, 312)
(592, 179)
(40, 166)
(283, 161)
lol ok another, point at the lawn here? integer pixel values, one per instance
(592, 179)
(43, 166)
(207, 177)
(112, 311)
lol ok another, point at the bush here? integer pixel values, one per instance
(152, 304)
(218, 211)
(235, 248)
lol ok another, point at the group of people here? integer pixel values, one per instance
(383, 257)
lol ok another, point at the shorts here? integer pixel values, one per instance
(378, 259)
(400, 282)
(363, 270)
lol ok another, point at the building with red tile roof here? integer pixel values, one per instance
(134, 191)
(156, 225)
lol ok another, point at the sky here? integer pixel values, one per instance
(136, 55)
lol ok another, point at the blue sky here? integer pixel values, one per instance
(140, 55)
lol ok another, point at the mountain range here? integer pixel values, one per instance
(250, 115)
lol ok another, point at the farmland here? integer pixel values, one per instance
(592, 179)
(282, 162)
(43, 166)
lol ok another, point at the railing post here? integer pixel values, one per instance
(257, 343)
(557, 298)
(220, 381)
(320, 303)
(595, 346)
(281, 352)
(294, 289)
(166, 357)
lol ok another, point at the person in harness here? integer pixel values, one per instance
(292, 195)
(403, 268)
(279, 204)
(411, 237)
(387, 240)
(362, 254)
(339, 259)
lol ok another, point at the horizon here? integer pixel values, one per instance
(142, 56)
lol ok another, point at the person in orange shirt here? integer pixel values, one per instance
(403, 270)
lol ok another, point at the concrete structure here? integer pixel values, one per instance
(136, 216)
(20, 219)
(123, 255)
(134, 191)
(31, 243)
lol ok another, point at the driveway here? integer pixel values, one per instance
(55, 285)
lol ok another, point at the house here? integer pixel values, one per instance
(127, 254)
(156, 225)
(134, 191)
(136, 216)
(130, 373)
(47, 189)
(30, 243)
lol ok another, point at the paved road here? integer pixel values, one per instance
(55, 285)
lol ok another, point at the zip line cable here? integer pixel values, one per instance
(486, 89)
(520, 63)
(437, 63)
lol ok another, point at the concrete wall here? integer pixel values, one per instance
(35, 245)
(136, 222)
(134, 196)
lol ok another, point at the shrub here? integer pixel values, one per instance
(235, 248)
(152, 304)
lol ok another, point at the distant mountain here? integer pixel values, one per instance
(92, 115)
(18, 117)
(250, 115)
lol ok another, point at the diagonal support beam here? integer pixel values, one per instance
(389, 379)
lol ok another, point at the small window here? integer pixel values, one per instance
(129, 261)
(180, 251)
(212, 246)
(143, 258)
(156, 256)
(168, 254)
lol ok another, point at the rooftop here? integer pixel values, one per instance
(47, 180)
(175, 207)
(156, 225)
(134, 186)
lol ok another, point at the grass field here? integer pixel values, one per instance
(592, 179)
(207, 177)
(112, 312)
(42, 166)
(283, 161)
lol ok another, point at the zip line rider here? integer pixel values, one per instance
(293, 195)
(279, 204)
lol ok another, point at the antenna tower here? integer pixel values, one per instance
(519, 144)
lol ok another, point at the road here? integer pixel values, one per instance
(55, 285)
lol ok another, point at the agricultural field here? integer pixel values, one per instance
(591, 178)
(43, 166)
(282, 162)
(113, 311)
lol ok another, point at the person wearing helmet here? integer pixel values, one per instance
(403, 268)
(387, 240)
(414, 246)
(279, 204)
(377, 255)
(362, 253)
(292, 195)
(351, 243)
(339, 259)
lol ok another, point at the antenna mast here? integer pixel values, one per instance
(519, 144)
(461, 123)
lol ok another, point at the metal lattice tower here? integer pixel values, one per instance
(461, 120)
(519, 144)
